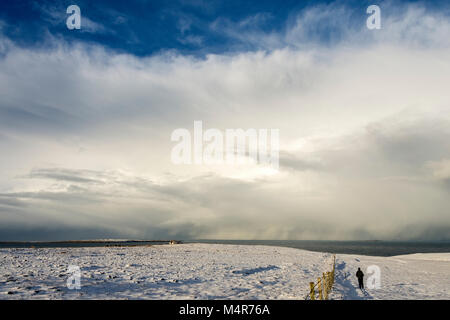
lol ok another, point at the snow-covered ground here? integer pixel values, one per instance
(212, 271)
(416, 276)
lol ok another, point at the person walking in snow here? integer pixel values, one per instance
(360, 276)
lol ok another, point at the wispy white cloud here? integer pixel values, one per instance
(440, 169)
(332, 24)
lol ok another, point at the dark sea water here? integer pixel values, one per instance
(371, 248)
(75, 244)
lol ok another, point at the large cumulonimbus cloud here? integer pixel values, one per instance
(364, 135)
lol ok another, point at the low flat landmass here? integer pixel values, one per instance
(212, 271)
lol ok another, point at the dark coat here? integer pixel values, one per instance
(359, 274)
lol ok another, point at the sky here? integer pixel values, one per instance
(86, 118)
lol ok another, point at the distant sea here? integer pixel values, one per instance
(79, 243)
(370, 248)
